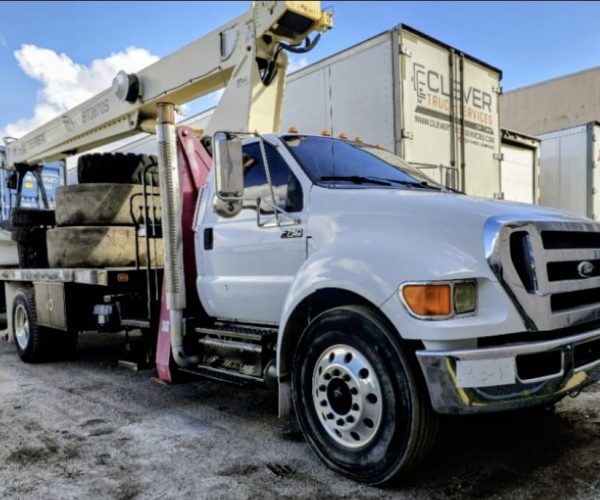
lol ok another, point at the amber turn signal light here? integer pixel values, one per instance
(428, 300)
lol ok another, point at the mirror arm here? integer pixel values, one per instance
(277, 210)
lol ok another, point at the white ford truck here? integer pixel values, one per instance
(372, 298)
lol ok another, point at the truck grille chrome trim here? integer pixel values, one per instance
(549, 268)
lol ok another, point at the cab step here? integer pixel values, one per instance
(240, 332)
(224, 375)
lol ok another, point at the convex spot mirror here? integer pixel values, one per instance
(229, 176)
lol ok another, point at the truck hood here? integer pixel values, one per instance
(435, 235)
(429, 203)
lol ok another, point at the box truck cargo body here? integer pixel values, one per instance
(430, 103)
(519, 167)
(570, 177)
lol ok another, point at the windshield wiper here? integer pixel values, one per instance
(357, 179)
(360, 179)
(417, 184)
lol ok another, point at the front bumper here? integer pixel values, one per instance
(510, 376)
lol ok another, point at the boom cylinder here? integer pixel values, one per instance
(171, 223)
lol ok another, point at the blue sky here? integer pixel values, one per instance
(529, 41)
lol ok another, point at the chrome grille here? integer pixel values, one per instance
(549, 268)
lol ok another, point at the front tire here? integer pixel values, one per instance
(358, 399)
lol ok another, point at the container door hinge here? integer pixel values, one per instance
(498, 90)
(499, 156)
(405, 51)
(405, 134)
(499, 196)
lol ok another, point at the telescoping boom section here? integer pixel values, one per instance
(246, 56)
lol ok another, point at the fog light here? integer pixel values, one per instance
(464, 297)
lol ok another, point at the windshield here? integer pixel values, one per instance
(336, 163)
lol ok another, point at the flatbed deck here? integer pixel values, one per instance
(85, 276)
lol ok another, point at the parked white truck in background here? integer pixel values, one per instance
(371, 296)
(570, 170)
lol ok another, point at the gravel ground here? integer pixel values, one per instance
(88, 429)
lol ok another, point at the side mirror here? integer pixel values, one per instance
(229, 176)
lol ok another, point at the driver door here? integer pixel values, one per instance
(247, 269)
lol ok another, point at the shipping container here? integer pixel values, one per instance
(570, 177)
(432, 104)
(519, 171)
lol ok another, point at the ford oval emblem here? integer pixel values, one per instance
(585, 269)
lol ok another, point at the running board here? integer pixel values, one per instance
(224, 375)
(239, 332)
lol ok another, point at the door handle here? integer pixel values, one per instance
(208, 238)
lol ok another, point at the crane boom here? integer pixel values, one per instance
(245, 56)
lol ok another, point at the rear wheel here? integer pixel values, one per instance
(31, 340)
(359, 402)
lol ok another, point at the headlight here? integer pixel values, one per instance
(439, 300)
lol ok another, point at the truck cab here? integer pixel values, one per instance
(350, 252)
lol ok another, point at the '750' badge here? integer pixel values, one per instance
(292, 233)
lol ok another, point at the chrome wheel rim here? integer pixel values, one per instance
(347, 396)
(21, 326)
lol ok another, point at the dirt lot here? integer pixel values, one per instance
(88, 429)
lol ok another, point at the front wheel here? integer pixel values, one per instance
(359, 403)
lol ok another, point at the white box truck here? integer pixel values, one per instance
(569, 175)
(520, 167)
(430, 103)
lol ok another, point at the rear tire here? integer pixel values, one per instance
(31, 340)
(359, 401)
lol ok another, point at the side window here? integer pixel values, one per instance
(286, 188)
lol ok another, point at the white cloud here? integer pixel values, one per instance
(296, 64)
(3, 43)
(215, 97)
(65, 83)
